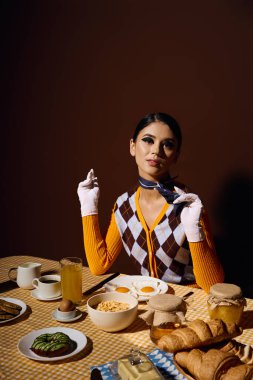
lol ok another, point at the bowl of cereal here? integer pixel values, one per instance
(112, 311)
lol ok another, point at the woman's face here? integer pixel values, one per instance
(155, 150)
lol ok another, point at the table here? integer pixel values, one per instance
(102, 346)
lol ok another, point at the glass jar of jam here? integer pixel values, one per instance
(226, 302)
(166, 312)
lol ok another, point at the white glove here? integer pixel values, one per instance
(190, 215)
(88, 193)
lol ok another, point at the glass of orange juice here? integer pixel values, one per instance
(71, 279)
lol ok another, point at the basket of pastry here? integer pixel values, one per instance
(207, 351)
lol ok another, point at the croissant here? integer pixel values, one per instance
(243, 351)
(213, 365)
(198, 334)
(240, 372)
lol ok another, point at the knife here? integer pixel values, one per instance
(96, 374)
(100, 284)
(187, 295)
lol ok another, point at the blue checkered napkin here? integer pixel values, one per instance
(162, 360)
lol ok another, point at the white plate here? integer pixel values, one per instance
(78, 315)
(26, 342)
(17, 302)
(35, 294)
(128, 281)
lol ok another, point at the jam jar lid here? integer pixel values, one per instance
(225, 290)
(166, 302)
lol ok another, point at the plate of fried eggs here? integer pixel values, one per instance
(141, 287)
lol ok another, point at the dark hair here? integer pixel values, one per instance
(163, 118)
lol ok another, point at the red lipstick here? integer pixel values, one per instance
(153, 162)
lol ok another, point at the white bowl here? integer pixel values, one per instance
(112, 320)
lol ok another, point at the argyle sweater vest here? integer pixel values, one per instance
(168, 242)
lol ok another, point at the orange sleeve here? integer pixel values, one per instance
(206, 265)
(100, 252)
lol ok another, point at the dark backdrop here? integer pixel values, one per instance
(76, 78)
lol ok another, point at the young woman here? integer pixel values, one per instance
(162, 226)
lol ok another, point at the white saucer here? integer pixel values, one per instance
(35, 294)
(78, 315)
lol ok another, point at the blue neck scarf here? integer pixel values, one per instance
(165, 188)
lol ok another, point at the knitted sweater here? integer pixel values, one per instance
(102, 252)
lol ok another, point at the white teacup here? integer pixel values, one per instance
(25, 273)
(49, 285)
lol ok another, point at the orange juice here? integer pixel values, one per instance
(71, 279)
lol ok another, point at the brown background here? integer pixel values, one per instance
(78, 75)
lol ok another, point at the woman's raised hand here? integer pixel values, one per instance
(88, 193)
(190, 215)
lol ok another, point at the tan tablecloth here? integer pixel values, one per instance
(102, 346)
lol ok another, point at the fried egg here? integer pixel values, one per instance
(127, 289)
(122, 289)
(146, 288)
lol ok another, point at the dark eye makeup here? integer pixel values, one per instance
(170, 144)
(148, 140)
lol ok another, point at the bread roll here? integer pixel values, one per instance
(194, 361)
(212, 365)
(240, 372)
(182, 358)
(198, 334)
(243, 351)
